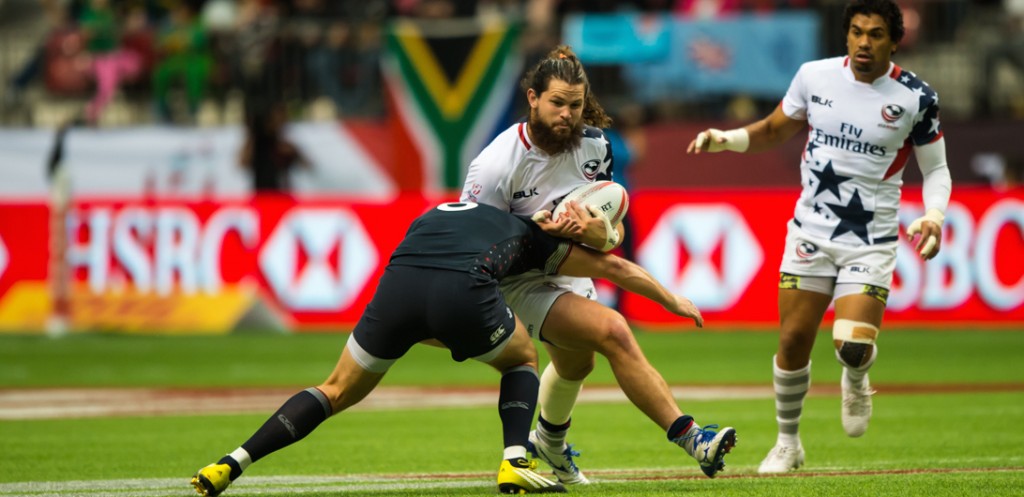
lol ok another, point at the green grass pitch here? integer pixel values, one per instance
(949, 421)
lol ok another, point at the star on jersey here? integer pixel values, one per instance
(904, 79)
(924, 98)
(829, 180)
(810, 148)
(853, 218)
(935, 127)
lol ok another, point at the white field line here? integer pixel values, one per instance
(101, 402)
(293, 485)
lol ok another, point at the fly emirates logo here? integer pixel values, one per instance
(849, 140)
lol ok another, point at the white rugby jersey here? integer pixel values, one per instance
(859, 139)
(514, 175)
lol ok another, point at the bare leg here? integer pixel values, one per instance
(296, 418)
(579, 327)
(854, 340)
(349, 383)
(800, 314)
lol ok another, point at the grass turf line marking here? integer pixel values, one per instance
(293, 484)
(64, 403)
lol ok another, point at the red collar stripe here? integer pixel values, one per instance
(522, 136)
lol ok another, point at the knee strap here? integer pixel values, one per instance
(365, 359)
(854, 342)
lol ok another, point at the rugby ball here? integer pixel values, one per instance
(608, 196)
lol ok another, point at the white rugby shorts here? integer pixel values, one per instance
(531, 295)
(806, 255)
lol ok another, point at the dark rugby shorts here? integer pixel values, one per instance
(465, 312)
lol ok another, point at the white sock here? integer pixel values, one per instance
(515, 452)
(788, 440)
(557, 396)
(241, 456)
(689, 440)
(790, 389)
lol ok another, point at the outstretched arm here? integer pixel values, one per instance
(757, 137)
(583, 261)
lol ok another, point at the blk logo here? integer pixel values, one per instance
(706, 252)
(590, 168)
(318, 259)
(821, 101)
(524, 193)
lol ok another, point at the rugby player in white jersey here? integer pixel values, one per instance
(864, 116)
(526, 169)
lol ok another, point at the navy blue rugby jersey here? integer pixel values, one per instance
(479, 239)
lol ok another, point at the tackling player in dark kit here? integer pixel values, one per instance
(441, 287)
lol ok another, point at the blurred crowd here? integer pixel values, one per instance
(178, 54)
(170, 57)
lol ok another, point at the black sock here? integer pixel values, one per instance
(516, 403)
(679, 427)
(236, 470)
(551, 427)
(295, 419)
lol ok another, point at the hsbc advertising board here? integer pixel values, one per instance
(314, 264)
(722, 250)
(150, 266)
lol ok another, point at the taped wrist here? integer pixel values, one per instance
(736, 140)
(611, 234)
(934, 215)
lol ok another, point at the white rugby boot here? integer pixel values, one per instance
(559, 458)
(782, 459)
(856, 410)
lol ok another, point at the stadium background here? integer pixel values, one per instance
(162, 242)
(163, 225)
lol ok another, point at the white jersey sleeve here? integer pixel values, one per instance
(486, 184)
(794, 104)
(938, 184)
(490, 175)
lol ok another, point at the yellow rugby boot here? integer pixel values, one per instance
(517, 476)
(212, 480)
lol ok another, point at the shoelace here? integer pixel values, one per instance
(707, 430)
(781, 450)
(570, 453)
(856, 397)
